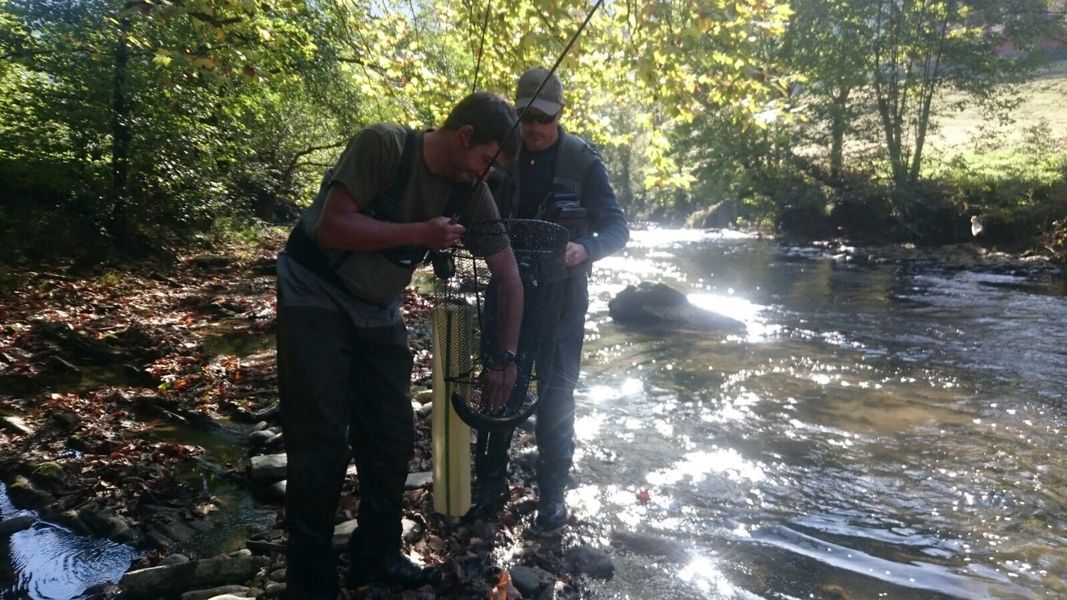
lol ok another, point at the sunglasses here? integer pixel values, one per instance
(540, 118)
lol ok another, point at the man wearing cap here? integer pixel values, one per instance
(557, 177)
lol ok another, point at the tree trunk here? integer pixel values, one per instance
(118, 219)
(626, 191)
(838, 126)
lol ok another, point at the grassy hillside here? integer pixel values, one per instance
(1044, 101)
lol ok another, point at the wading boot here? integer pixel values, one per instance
(394, 569)
(551, 513)
(378, 562)
(489, 496)
(490, 477)
(552, 487)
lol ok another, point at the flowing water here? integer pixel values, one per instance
(879, 432)
(48, 561)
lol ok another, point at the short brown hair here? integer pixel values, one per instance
(491, 116)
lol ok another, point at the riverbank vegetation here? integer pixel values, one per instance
(136, 128)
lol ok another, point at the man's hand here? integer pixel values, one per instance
(441, 233)
(497, 385)
(575, 254)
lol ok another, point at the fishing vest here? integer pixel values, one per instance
(574, 157)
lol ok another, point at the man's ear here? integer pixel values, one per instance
(464, 133)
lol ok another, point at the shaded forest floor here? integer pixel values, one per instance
(107, 382)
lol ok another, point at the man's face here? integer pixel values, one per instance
(539, 131)
(474, 160)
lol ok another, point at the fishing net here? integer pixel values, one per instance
(470, 291)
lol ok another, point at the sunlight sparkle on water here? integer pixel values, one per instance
(599, 394)
(737, 308)
(586, 428)
(698, 465)
(704, 573)
(633, 270)
(656, 238)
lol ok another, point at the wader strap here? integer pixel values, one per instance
(305, 251)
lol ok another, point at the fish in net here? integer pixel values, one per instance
(539, 248)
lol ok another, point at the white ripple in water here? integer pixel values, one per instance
(915, 575)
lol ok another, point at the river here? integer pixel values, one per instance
(880, 431)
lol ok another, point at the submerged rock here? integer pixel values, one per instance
(224, 591)
(15, 524)
(591, 561)
(657, 305)
(169, 580)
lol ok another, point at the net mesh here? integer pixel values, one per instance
(538, 247)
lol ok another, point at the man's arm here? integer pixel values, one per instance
(344, 227)
(606, 219)
(505, 275)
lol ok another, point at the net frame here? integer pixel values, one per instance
(539, 248)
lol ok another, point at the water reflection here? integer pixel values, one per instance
(878, 433)
(52, 562)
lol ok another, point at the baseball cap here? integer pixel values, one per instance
(549, 101)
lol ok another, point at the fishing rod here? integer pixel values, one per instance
(551, 72)
(442, 268)
(534, 237)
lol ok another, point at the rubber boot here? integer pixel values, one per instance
(491, 476)
(382, 563)
(552, 488)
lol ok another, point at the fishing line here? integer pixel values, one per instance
(481, 46)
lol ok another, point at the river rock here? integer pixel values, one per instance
(16, 424)
(171, 580)
(222, 591)
(341, 533)
(591, 561)
(268, 468)
(168, 530)
(70, 520)
(649, 545)
(103, 524)
(419, 480)
(260, 437)
(410, 529)
(269, 412)
(15, 524)
(530, 580)
(720, 215)
(24, 494)
(276, 491)
(657, 305)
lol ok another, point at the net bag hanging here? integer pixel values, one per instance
(539, 247)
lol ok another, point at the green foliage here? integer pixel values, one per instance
(141, 122)
(133, 124)
(1018, 191)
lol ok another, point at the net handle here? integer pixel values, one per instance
(486, 422)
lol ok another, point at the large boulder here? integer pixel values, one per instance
(656, 305)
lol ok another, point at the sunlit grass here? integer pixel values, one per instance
(1043, 102)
